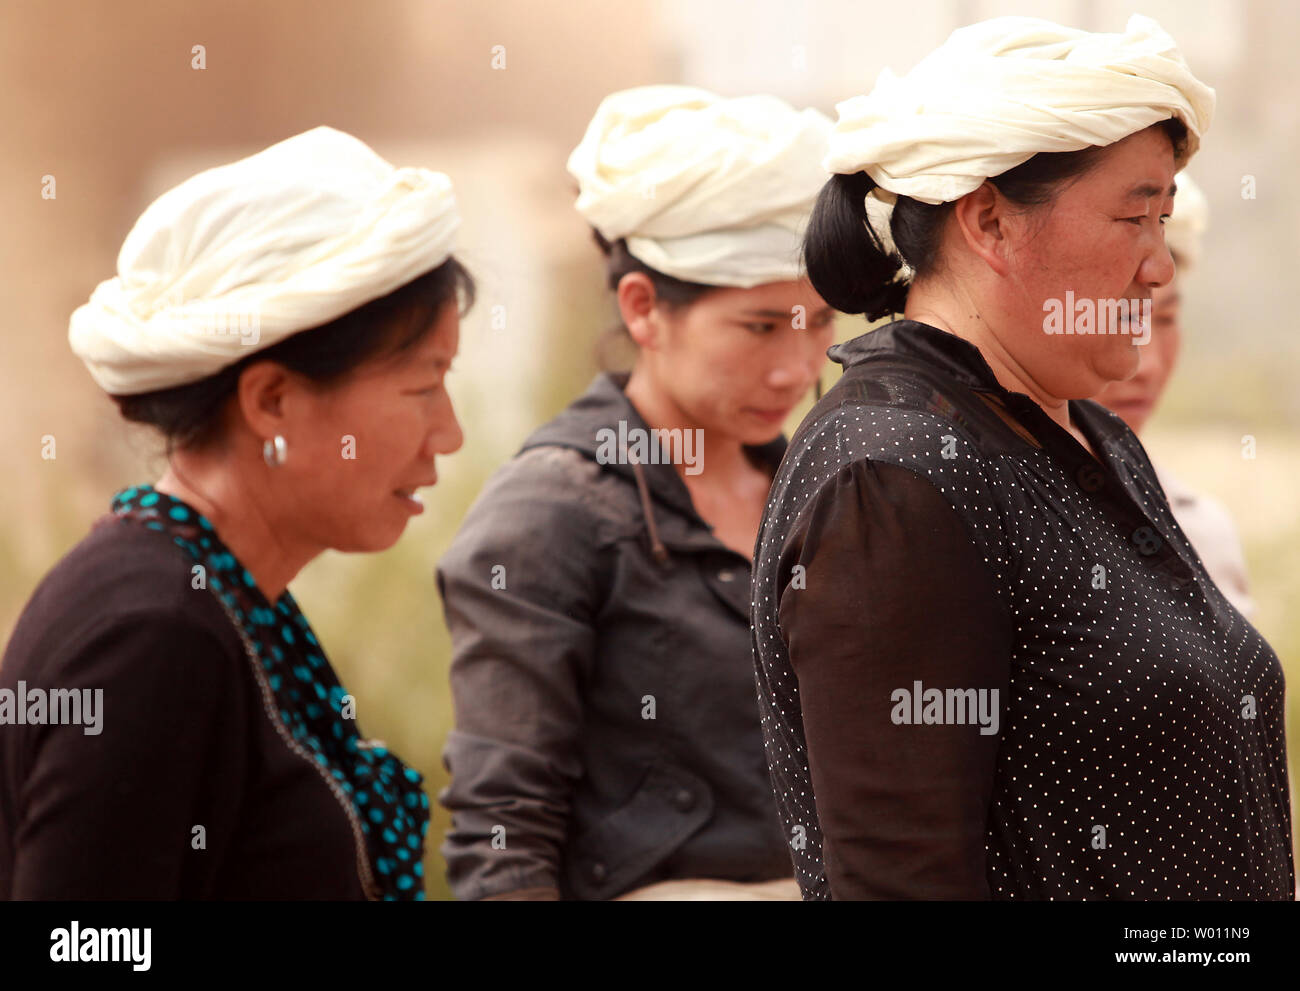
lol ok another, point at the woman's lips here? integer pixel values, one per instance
(771, 416)
(411, 497)
(411, 501)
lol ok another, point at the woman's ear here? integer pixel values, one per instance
(262, 390)
(981, 221)
(636, 305)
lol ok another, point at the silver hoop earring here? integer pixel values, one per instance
(274, 451)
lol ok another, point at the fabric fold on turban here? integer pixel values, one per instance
(709, 190)
(241, 256)
(999, 92)
(1186, 226)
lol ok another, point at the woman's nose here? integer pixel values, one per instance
(798, 368)
(446, 437)
(1158, 267)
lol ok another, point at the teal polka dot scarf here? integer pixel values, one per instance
(388, 808)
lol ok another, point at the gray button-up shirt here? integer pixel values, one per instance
(606, 729)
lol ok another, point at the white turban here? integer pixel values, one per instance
(242, 256)
(1186, 225)
(704, 189)
(999, 92)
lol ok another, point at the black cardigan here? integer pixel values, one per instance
(185, 741)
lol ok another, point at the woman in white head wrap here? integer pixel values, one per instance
(990, 664)
(623, 531)
(1204, 519)
(286, 322)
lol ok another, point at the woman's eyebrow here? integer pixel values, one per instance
(1146, 190)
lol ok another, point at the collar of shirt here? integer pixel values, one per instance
(958, 357)
(961, 360)
(603, 407)
(1123, 476)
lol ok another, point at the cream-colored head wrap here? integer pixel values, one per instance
(999, 92)
(1186, 225)
(242, 256)
(705, 189)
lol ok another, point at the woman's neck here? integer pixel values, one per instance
(242, 517)
(962, 318)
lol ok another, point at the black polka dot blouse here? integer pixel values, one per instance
(990, 664)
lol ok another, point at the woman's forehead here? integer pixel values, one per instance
(1139, 168)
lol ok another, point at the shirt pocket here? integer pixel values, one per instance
(668, 806)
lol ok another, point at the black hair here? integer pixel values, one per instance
(675, 294)
(189, 416)
(846, 259)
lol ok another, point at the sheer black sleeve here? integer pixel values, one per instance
(893, 592)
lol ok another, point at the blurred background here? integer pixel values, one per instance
(105, 98)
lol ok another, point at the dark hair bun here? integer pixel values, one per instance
(846, 259)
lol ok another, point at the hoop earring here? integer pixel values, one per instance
(274, 451)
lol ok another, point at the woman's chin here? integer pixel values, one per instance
(1118, 366)
(371, 539)
(752, 435)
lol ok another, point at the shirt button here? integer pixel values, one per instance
(1147, 540)
(1090, 478)
(684, 800)
(598, 871)
(726, 575)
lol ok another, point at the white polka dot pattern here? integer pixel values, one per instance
(1125, 702)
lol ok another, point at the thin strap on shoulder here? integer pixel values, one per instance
(657, 549)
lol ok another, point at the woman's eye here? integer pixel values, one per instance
(1136, 220)
(761, 328)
